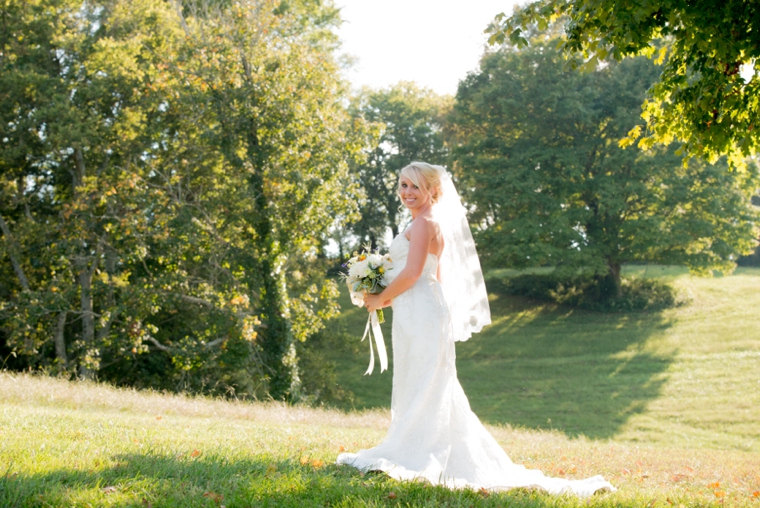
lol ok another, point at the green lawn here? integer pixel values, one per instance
(689, 376)
(80, 444)
(663, 405)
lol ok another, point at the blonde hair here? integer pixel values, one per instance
(424, 176)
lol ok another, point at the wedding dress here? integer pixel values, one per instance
(433, 434)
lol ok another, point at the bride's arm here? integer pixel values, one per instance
(421, 234)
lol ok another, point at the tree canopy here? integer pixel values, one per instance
(410, 122)
(702, 98)
(169, 173)
(535, 145)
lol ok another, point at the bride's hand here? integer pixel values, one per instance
(373, 302)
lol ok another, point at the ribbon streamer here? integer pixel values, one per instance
(373, 324)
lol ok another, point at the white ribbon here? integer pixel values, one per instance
(374, 324)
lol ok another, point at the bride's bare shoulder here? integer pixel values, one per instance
(426, 226)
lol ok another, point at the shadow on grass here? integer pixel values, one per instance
(156, 480)
(539, 365)
(547, 366)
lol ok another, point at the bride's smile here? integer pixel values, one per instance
(412, 196)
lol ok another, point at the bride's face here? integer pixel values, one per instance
(412, 196)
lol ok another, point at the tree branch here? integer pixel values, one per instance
(216, 342)
(195, 299)
(13, 246)
(178, 8)
(60, 344)
(159, 345)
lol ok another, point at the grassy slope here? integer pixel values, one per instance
(687, 377)
(80, 444)
(685, 380)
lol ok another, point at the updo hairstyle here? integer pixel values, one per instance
(424, 176)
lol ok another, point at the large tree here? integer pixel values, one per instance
(701, 98)
(75, 216)
(263, 83)
(169, 174)
(536, 146)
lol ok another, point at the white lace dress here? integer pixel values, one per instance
(433, 433)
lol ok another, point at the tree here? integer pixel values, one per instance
(74, 217)
(169, 175)
(271, 110)
(536, 146)
(701, 98)
(410, 121)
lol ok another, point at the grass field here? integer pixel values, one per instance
(687, 377)
(663, 405)
(81, 444)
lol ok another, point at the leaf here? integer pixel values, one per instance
(392, 495)
(109, 489)
(195, 453)
(590, 65)
(213, 496)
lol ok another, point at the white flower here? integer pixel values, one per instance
(360, 269)
(375, 259)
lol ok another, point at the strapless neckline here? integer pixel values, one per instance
(402, 235)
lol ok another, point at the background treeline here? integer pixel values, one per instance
(176, 178)
(169, 174)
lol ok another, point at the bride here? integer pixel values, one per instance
(438, 296)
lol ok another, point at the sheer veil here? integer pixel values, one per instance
(461, 276)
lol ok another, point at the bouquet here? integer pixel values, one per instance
(366, 274)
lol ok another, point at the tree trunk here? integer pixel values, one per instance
(277, 338)
(393, 219)
(110, 301)
(60, 344)
(85, 281)
(12, 250)
(615, 276)
(277, 341)
(86, 370)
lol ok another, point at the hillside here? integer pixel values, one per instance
(689, 376)
(82, 444)
(664, 405)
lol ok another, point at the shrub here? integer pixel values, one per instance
(318, 373)
(593, 292)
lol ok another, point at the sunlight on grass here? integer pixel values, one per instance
(66, 444)
(688, 376)
(665, 405)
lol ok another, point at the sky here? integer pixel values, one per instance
(432, 42)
